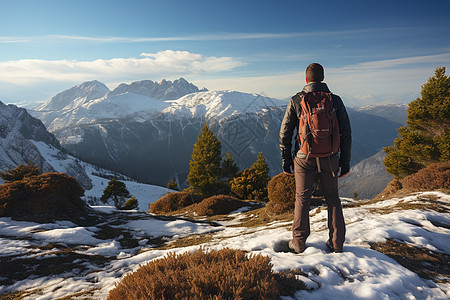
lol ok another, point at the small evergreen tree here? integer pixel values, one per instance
(252, 183)
(172, 184)
(204, 167)
(131, 203)
(426, 138)
(229, 170)
(116, 190)
(20, 172)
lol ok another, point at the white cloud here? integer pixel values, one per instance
(387, 81)
(391, 63)
(219, 36)
(150, 65)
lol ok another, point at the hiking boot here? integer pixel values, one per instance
(330, 247)
(295, 248)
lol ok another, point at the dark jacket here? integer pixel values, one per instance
(291, 121)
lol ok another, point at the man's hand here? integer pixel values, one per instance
(288, 167)
(345, 169)
(343, 174)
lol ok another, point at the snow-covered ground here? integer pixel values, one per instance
(99, 177)
(357, 273)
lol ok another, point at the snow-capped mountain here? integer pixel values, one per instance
(76, 96)
(92, 101)
(18, 130)
(132, 131)
(164, 90)
(393, 112)
(24, 139)
(221, 104)
(21, 140)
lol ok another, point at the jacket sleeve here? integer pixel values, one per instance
(289, 123)
(345, 131)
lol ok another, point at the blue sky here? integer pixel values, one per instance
(372, 51)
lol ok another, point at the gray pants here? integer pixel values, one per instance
(304, 171)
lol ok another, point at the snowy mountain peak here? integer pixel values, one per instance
(76, 96)
(219, 104)
(164, 90)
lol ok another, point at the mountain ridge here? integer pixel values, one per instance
(136, 135)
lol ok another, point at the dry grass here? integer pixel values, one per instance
(261, 217)
(434, 177)
(426, 263)
(224, 274)
(14, 269)
(192, 240)
(80, 295)
(423, 201)
(217, 205)
(19, 295)
(173, 202)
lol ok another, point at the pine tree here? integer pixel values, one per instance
(172, 184)
(426, 138)
(20, 172)
(252, 183)
(229, 170)
(204, 167)
(116, 190)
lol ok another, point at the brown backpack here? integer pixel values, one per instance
(318, 130)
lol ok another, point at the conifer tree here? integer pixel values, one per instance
(116, 190)
(426, 138)
(172, 184)
(20, 172)
(252, 183)
(229, 170)
(204, 167)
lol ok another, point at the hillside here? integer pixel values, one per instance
(384, 240)
(24, 139)
(367, 178)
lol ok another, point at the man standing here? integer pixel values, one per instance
(304, 163)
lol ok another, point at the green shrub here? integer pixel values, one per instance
(281, 191)
(224, 274)
(173, 202)
(131, 203)
(252, 183)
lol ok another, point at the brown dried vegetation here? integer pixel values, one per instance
(42, 198)
(173, 202)
(436, 176)
(224, 274)
(426, 263)
(281, 189)
(218, 205)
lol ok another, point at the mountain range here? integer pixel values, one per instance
(137, 130)
(24, 139)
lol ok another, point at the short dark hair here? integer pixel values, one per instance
(315, 73)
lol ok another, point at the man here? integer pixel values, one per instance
(304, 166)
